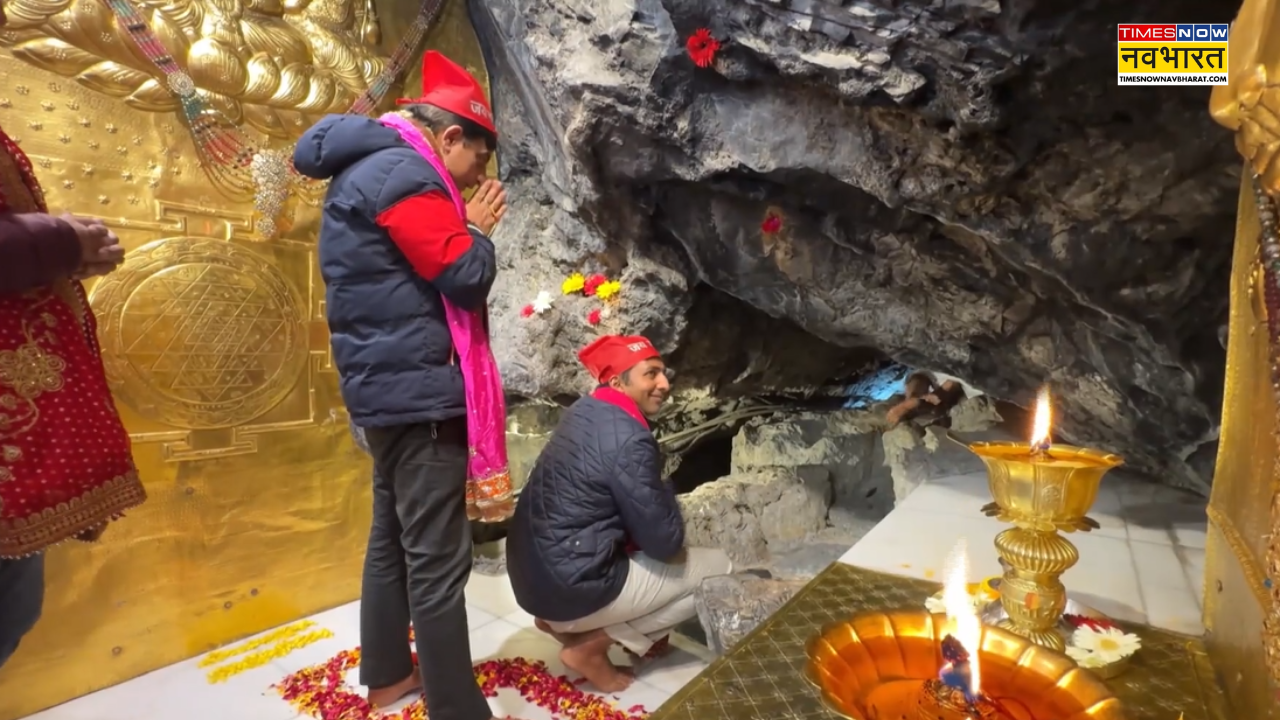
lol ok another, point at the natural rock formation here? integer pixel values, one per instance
(961, 187)
(805, 486)
(741, 514)
(730, 606)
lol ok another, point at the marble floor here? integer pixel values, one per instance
(1144, 564)
(499, 630)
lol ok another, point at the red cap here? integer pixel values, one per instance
(447, 86)
(612, 355)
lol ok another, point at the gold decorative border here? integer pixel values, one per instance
(1248, 564)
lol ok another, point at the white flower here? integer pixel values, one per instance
(1084, 658)
(605, 312)
(542, 302)
(1107, 645)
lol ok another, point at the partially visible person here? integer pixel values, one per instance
(595, 550)
(923, 391)
(408, 265)
(66, 469)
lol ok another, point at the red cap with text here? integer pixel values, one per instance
(446, 85)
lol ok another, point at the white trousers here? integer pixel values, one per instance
(656, 597)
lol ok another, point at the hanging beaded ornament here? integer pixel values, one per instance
(1269, 252)
(238, 165)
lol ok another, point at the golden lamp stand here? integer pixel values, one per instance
(1043, 493)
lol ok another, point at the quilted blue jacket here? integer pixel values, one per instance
(597, 483)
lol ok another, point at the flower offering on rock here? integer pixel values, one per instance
(542, 302)
(572, 284)
(771, 224)
(592, 284)
(702, 47)
(608, 289)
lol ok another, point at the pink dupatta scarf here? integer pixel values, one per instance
(489, 494)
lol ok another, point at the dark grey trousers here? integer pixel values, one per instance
(21, 597)
(417, 566)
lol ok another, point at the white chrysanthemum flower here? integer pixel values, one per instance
(542, 302)
(1108, 645)
(1084, 658)
(605, 312)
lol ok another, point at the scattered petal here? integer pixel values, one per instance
(321, 692)
(526, 311)
(593, 317)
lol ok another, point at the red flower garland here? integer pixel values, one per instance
(321, 692)
(702, 47)
(772, 223)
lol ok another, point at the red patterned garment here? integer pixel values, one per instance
(66, 468)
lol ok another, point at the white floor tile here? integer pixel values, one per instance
(957, 494)
(1172, 601)
(182, 688)
(491, 593)
(916, 543)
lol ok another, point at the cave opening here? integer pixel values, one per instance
(707, 461)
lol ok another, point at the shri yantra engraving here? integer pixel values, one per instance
(200, 333)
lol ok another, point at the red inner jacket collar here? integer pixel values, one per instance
(604, 393)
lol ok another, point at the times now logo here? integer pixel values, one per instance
(1174, 32)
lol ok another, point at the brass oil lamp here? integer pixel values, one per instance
(1043, 490)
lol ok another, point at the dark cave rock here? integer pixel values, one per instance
(963, 189)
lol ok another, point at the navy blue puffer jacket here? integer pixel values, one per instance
(596, 485)
(387, 325)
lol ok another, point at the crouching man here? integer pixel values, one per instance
(596, 549)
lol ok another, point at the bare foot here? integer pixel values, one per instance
(590, 659)
(384, 696)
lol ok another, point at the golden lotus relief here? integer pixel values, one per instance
(272, 65)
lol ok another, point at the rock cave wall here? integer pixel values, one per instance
(962, 188)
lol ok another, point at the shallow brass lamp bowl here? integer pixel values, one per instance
(873, 667)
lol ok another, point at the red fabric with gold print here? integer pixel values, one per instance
(65, 463)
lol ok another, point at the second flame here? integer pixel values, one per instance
(1041, 428)
(961, 611)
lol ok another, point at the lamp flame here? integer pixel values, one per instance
(1042, 426)
(960, 610)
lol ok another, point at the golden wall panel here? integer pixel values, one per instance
(218, 353)
(1244, 483)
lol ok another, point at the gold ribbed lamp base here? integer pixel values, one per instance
(1042, 495)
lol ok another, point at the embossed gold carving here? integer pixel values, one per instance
(200, 333)
(272, 65)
